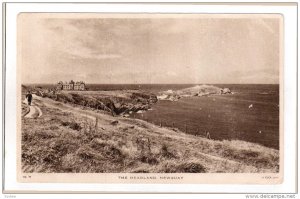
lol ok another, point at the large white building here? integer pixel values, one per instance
(80, 86)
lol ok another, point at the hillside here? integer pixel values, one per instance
(69, 138)
(114, 102)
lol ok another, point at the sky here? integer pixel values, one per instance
(149, 49)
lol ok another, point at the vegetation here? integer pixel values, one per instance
(25, 110)
(63, 140)
(115, 105)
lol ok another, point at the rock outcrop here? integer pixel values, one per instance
(116, 105)
(226, 91)
(199, 90)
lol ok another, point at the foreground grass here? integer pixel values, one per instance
(62, 141)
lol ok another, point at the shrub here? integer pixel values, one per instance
(44, 135)
(140, 171)
(193, 168)
(190, 167)
(73, 125)
(63, 146)
(107, 149)
(150, 159)
(165, 152)
(85, 153)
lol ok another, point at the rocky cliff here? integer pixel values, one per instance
(116, 104)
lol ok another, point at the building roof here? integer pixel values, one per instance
(71, 83)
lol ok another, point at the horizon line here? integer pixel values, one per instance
(156, 83)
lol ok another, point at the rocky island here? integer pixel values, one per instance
(199, 90)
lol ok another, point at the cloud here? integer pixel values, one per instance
(152, 50)
(81, 39)
(86, 55)
(260, 77)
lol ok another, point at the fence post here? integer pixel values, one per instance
(173, 125)
(208, 135)
(96, 124)
(85, 124)
(185, 128)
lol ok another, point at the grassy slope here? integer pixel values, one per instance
(68, 141)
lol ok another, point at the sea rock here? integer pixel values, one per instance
(162, 97)
(169, 96)
(200, 89)
(225, 91)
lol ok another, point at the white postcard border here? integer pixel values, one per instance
(290, 49)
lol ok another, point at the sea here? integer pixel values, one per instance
(250, 114)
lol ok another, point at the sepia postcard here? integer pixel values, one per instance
(150, 98)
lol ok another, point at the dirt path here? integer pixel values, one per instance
(39, 110)
(33, 110)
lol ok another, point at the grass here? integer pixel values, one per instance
(69, 142)
(25, 109)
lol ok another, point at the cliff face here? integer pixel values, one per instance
(137, 101)
(116, 104)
